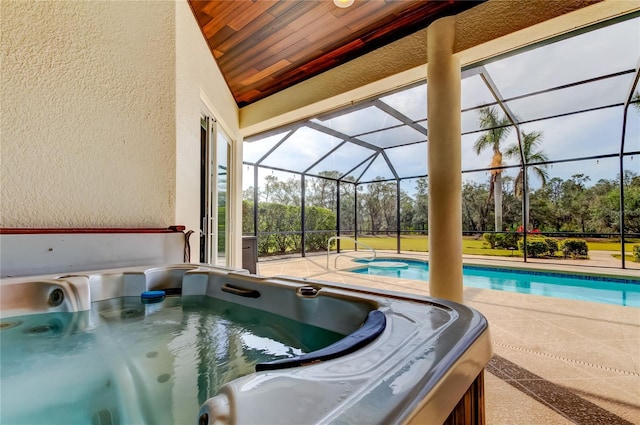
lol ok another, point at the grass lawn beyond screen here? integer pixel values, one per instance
(470, 245)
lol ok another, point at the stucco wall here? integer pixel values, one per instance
(201, 89)
(87, 114)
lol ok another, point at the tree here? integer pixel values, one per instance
(287, 192)
(604, 210)
(530, 142)
(389, 205)
(546, 203)
(511, 206)
(407, 211)
(377, 206)
(321, 192)
(421, 212)
(247, 194)
(269, 183)
(575, 203)
(347, 205)
(497, 130)
(631, 183)
(475, 211)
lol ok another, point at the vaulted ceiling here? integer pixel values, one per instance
(265, 46)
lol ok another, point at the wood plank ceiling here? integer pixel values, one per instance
(264, 46)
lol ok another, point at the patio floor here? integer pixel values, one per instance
(555, 361)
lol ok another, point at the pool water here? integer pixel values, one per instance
(625, 292)
(127, 362)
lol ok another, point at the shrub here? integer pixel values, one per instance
(552, 245)
(636, 253)
(318, 219)
(574, 248)
(536, 246)
(490, 238)
(279, 227)
(507, 240)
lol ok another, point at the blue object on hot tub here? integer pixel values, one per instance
(150, 297)
(370, 330)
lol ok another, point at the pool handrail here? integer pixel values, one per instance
(355, 241)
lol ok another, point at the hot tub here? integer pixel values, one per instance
(346, 355)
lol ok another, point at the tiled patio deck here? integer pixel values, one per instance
(555, 361)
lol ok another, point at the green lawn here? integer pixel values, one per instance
(609, 246)
(626, 257)
(470, 245)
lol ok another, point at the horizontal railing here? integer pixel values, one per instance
(356, 243)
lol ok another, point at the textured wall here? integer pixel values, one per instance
(87, 130)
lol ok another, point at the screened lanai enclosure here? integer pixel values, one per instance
(550, 160)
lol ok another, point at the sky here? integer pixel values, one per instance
(608, 50)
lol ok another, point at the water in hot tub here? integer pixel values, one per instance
(126, 362)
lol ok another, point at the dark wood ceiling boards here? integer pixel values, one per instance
(264, 46)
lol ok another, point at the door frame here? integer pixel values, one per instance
(209, 191)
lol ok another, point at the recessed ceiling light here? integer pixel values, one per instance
(343, 3)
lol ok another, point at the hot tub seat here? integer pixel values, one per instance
(370, 330)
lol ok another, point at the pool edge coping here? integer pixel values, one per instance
(631, 280)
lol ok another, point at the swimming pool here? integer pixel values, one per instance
(625, 292)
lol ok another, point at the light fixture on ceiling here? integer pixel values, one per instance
(343, 3)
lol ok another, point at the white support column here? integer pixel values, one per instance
(445, 177)
(235, 203)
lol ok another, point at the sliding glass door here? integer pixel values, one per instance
(214, 193)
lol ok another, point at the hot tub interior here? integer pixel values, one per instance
(221, 346)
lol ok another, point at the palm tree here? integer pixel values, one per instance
(530, 142)
(497, 130)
